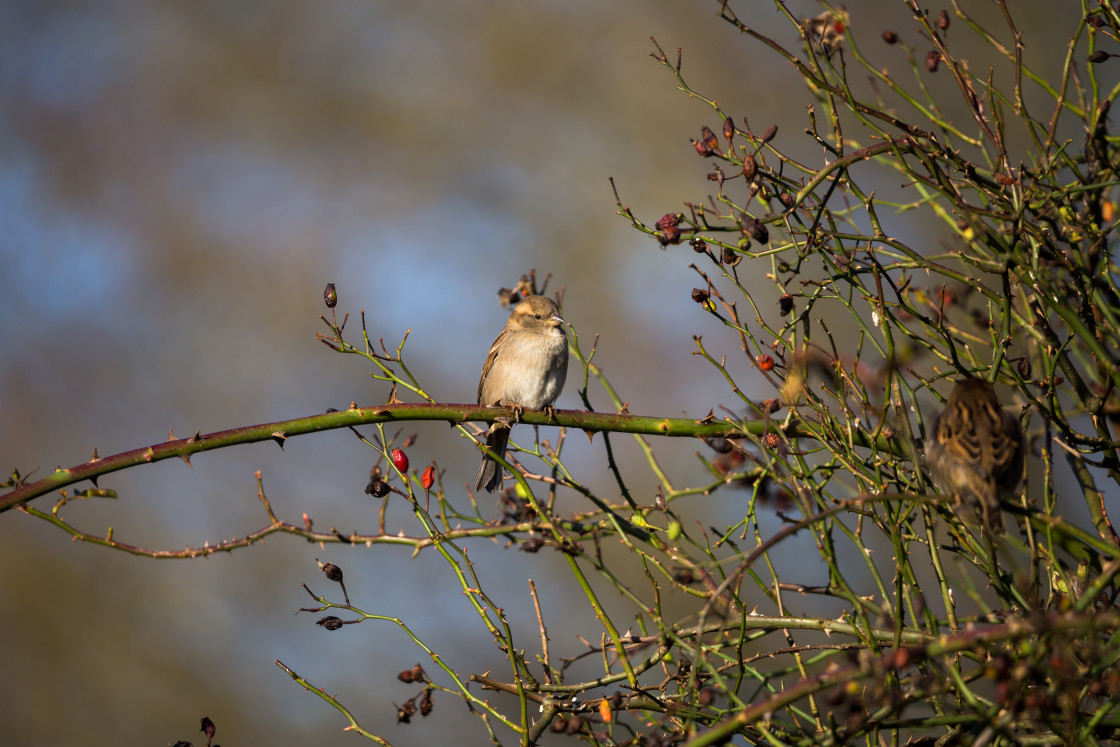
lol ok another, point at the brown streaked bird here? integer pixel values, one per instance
(525, 369)
(978, 450)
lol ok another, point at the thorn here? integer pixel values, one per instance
(707, 419)
(590, 436)
(94, 481)
(279, 437)
(353, 405)
(95, 457)
(186, 458)
(171, 434)
(195, 438)
(625, 409)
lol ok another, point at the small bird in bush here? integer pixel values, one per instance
(978, 450)
(525, 369)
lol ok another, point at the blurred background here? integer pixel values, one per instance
(178, 182)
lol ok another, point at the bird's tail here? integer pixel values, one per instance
(490, 472)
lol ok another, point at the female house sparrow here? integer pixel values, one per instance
(524, 370)
(977, 450)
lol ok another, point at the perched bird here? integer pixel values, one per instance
(524, 370)
(978, 450)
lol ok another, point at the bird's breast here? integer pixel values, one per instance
(529, 370)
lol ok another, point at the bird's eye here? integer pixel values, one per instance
(538, 316)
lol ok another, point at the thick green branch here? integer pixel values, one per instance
(280, 431)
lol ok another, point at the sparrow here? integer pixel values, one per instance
(525, 370)
(978, 451)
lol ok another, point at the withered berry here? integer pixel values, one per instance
(756, 230)
(669, 235)
(750, 168)
(701, 147)
(332, 572)
(709, 138)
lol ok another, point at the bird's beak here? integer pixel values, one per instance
(555, 320)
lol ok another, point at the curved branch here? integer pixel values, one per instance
(280, 431)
